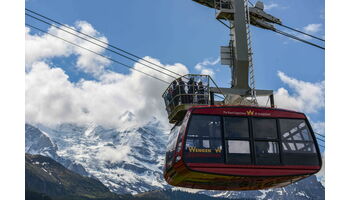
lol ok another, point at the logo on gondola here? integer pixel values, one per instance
(250, 112)
(218, 150)
(199, 150)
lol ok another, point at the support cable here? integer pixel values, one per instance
(320, 135)
(74, 44)
(98, 45)
(224, 23)
(293, 29)
(250, 3)
(105, 43)
(291, 36)
(320, 139)
(296, 38)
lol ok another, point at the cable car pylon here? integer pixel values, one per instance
(235, 144)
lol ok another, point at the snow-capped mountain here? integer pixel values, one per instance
(49, 178)
(38, 142)
(127, 161)
(131, 160)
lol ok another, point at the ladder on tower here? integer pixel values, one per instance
(250, 55)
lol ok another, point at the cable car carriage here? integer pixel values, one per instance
(221, 147)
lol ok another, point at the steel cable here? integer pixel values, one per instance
(296, 38)
(98, 45)
(72, 43)
(89, 36)
(302, 32)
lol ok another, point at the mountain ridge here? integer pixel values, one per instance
(38, 142)
(45, 176)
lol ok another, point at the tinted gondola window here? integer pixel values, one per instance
(203, 141)
(264, 128)
(204, 126)
(267, 153)
(266, 141)
(298, 145)
(172, 144)
(238, 152)
(238, 146)
(237, 140)
(236, 127)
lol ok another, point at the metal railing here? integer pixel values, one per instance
(190, 89)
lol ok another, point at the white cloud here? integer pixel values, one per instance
(87, 61)
(209, 72)
(203, 68)
(112, 154)
(270, 6)
(305, 97)
(312, 28)
(43, 47)
(52, 99)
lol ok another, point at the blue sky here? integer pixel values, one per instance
(185, 32)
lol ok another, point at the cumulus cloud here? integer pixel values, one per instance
(270, 6)
(113, 154)
(44, 47)
(312, 28)
(306, 97)
(52, 99)
(203, 68)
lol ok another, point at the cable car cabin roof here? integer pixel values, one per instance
(240, 148)
(242, 110)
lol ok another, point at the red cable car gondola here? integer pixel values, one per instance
(233, 147)
(240, 148)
